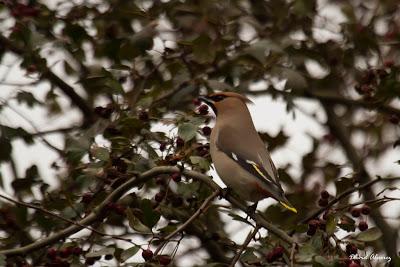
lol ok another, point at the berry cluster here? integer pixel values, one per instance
(20, 10)
(58, 257)
(324, 199)
(357, 212)
(163, 260)
(314, 225)
(372, 78)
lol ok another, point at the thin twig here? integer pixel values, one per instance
(249, 237)
(55, 215)
(199, 211)
(292, 251)
(345, 194)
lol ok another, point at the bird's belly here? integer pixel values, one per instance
(238, 179)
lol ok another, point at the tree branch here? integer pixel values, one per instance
(345, 194)
(55, 215)
(200, 210)
(47, 74)
(389, 235)
(97, 213)
(246, 242)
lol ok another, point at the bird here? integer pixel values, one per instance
(240, 157)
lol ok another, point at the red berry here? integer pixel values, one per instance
(203, 110)
(164, 260)
(77, 251)
(159, 197)
(323, 202)
(176, 177)
(388, 63)
(65, 252)
(143, 115)
(206, 130)
(278, 251)
(147, 254)
(163, 146)
(365, 210)
(355, 212)
(394, 119)
(363, 225)
(52, 253)
(354, 264)
(324, 194)
(180, 142)
(351, 249)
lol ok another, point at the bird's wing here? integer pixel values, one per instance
(255, 159)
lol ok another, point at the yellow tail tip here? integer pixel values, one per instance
(288, 207)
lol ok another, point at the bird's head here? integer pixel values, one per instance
(224, 100)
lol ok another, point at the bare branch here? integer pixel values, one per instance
(97, 213)
(389, 235)
(249, 237)
(182, 227)
(55, 215)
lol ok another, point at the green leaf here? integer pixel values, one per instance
(203, 51)
(370, 235)
(201, 162)
(101, 252)
(6, 149)
(294, 79)
(27, 98)
(320, 261)
(342, 184)
(150, 216)
(135, 223)
(101, 153)
(331, 224)
(187, 131)
(2, 260)
(130, 252)
(149, 149)
(219, 86)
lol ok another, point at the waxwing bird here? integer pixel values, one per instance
(238, 153)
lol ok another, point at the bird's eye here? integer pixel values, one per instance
(218, 98)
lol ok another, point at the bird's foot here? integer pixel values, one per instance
(225, 192)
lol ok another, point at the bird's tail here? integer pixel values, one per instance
(286, 204)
